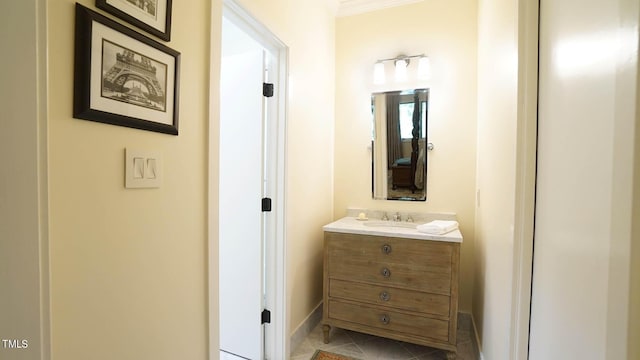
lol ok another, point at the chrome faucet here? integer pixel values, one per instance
(396, 217)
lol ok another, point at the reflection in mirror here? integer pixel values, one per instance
(399, 144)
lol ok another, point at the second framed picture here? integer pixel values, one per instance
(122, 77)
(152, 16)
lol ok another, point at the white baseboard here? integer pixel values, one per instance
(301, 332)
(475, 333)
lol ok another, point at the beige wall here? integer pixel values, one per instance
(446, 32)
(497, 115)
(309, 156)
(128, 267)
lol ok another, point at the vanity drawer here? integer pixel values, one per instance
(390, 274)
(409, 300)
(431, 256)
(390, 320)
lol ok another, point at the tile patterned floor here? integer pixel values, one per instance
(368, 347)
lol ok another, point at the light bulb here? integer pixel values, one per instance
(378, 73)
(424, 68)
(401, 69)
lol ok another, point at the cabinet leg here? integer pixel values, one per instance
(451, 355)
(325, 331)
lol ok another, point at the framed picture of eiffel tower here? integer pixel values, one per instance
(123, 77)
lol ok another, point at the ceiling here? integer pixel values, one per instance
(353, 7)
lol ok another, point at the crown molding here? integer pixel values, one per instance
(334, 5)
(354, 7)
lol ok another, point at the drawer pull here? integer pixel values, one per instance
(384, 296)
(386, 248)
(384, 318)
(385, 272)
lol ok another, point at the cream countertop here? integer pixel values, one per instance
(351, 225)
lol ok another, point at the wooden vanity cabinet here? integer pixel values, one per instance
(398, 288)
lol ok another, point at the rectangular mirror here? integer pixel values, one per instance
(400, 144)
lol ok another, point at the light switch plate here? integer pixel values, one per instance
(142, 169)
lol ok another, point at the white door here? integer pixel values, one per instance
(243, 224)
(586, 89)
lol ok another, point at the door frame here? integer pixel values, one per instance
(27, 283)
(276, 340)
(526, 158)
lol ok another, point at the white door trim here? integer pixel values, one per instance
(24, 228)
(277, 341)
(526, 147)
(43, 178)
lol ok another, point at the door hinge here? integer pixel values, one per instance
(266, 204)
(267, 89)
(266, 317)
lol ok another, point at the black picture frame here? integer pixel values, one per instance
(152, 16)
(122, 77)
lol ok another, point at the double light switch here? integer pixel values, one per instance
(142, 169)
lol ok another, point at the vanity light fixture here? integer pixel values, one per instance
(401, 63)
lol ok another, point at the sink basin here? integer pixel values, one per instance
(395, 224)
